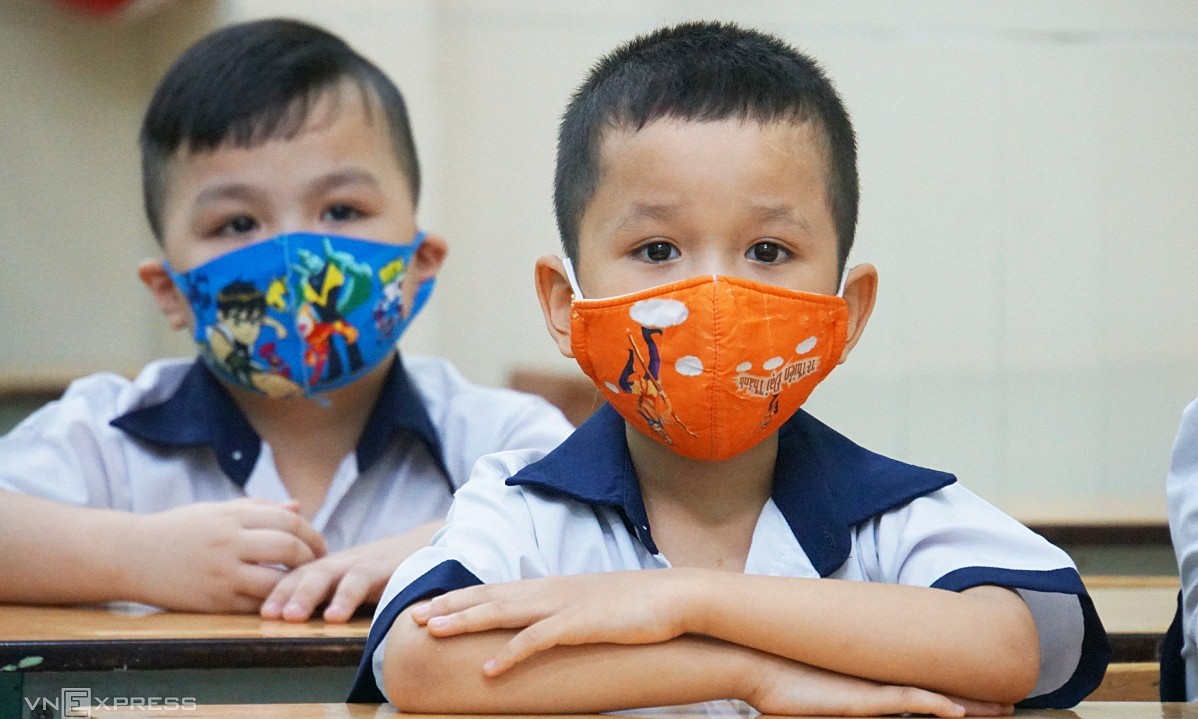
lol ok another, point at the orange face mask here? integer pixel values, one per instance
(709, 366)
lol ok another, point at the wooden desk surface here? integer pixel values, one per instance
(96, 638)
(1085, 710)
(1135, 611)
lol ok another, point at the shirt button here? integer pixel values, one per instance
(237, 455)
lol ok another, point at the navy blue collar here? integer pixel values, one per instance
(201, 413)
(824, 484)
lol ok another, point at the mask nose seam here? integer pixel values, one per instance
(715, 321)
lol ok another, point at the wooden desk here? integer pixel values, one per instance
(1136, 611)
(1085, 710)
(204, 657)
(219, 659)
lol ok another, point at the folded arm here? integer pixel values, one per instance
(981, 643)
(424, 673)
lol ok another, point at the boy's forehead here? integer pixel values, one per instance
(669, 138)
(805, 133)
(305, 115)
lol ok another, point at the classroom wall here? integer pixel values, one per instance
(1028, 180)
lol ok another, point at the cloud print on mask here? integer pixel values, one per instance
(659, 313)
(689, 366)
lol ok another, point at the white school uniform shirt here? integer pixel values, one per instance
(173, 436)
(837, 511)
(1182, 491)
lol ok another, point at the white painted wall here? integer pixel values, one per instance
(1029, 172)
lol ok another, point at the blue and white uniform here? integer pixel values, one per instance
(837, 511)
(173, 436)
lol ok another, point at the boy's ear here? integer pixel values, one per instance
(425, 265)
(860, 291)
(429, 257)
(555, 295)
(174, 306)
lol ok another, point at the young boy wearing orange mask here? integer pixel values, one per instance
(706, 194)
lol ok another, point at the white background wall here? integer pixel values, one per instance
(1029, 174)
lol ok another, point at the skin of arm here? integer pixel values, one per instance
(205, 557)
(424, 673)
(981, 643)
(347, 578)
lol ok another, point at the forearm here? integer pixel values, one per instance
(981, 643)
(444, 675)
(60, 554)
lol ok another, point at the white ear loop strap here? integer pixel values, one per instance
(843, 279)
(573, 278)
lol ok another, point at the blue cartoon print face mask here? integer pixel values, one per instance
(301, 313)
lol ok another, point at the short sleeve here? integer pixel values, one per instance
(952, 539)
(488, 538)
(66, 451)
(1182, 491)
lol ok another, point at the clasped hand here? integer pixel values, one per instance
(631, 607)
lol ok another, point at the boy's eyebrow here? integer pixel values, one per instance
(646, 211)
(764, 213)
(324, 183)
(782, 214)
(341, 178)
(226, 191)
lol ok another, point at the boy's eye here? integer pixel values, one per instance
(340, 213)
(658, 252)
(766, 252)
(239, 225)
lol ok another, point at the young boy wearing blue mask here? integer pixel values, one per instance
(299, 459)
(706, 194)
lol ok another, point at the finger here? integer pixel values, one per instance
(269, 546)
(482, 618)
(974, 707)
(912, 700)
(450, 603)
(257, 581)
(284, 520)
(272, 606)
(543, 635)
(354, 588)
(257, 501)
(238, 604)
(416, 608)
(315, 584)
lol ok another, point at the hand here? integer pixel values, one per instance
(218, 556)
(562, 610)
(351, 577)
(792, 688)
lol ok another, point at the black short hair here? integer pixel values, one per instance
(252, 82)
(242, 299)
(702, 71)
